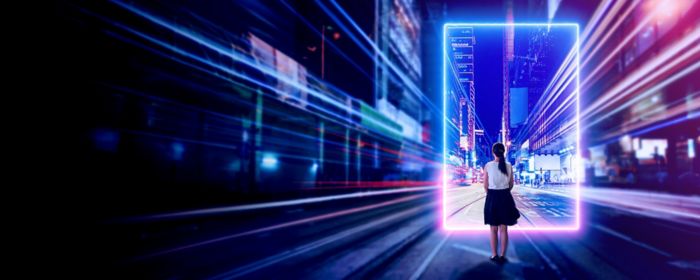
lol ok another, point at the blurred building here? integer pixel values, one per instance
(641, 98)
(195, 105)
(398, 92)
(483, 150)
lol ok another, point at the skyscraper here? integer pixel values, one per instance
(462, 43)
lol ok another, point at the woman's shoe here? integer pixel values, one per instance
(494, 258)
(502, 259)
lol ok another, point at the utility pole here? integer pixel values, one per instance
(323, 52)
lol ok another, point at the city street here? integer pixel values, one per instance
(397, 237)
(547, 206)
(343, 139)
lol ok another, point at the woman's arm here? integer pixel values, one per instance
(486, 180)
(510, 181)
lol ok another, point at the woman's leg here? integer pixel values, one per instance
(494, 240)
(504, 239)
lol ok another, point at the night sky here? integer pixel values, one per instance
(488, 73)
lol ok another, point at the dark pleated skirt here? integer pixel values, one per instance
(500, 208)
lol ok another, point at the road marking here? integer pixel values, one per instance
(257, 265)
(483, 252)
(693, 266)
(429, 259)
(547, 260)
(465, 206)
(631, 240)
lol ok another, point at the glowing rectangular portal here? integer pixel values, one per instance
(551, 129)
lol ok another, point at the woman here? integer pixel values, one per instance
(499, 209)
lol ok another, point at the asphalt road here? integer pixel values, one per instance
(545, 207)
(623, 235)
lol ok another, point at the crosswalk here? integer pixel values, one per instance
(464, 207)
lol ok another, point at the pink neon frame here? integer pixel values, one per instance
(577, 158)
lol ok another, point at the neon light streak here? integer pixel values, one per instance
(283, 225)
(399, 73)
(613, 54)
(275, 204)
(226, 52)
(655, 68)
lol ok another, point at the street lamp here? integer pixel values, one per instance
(336, 36)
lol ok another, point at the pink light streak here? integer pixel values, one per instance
(284, 225)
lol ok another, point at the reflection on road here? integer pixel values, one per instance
(548, 206)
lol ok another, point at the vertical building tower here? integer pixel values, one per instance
(508, 55)
(397, 91)
(462, 43)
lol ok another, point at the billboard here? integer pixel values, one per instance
(291, 82)
(518, 106)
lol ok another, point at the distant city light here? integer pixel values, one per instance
(178, 150)
(269, 161)
(106, 139)
(691, 148)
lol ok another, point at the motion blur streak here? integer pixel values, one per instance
(666, 63)
(283, 225)
(407, 81)
(220, 67)
(281, 139)
(311, 246)
(220, 210)
(608, 31)
(216, 47)
(591, 32)
(628, 38)
(640, 202)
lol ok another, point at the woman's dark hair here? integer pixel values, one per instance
(499, 150)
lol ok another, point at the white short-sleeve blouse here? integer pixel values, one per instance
(497, 180)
